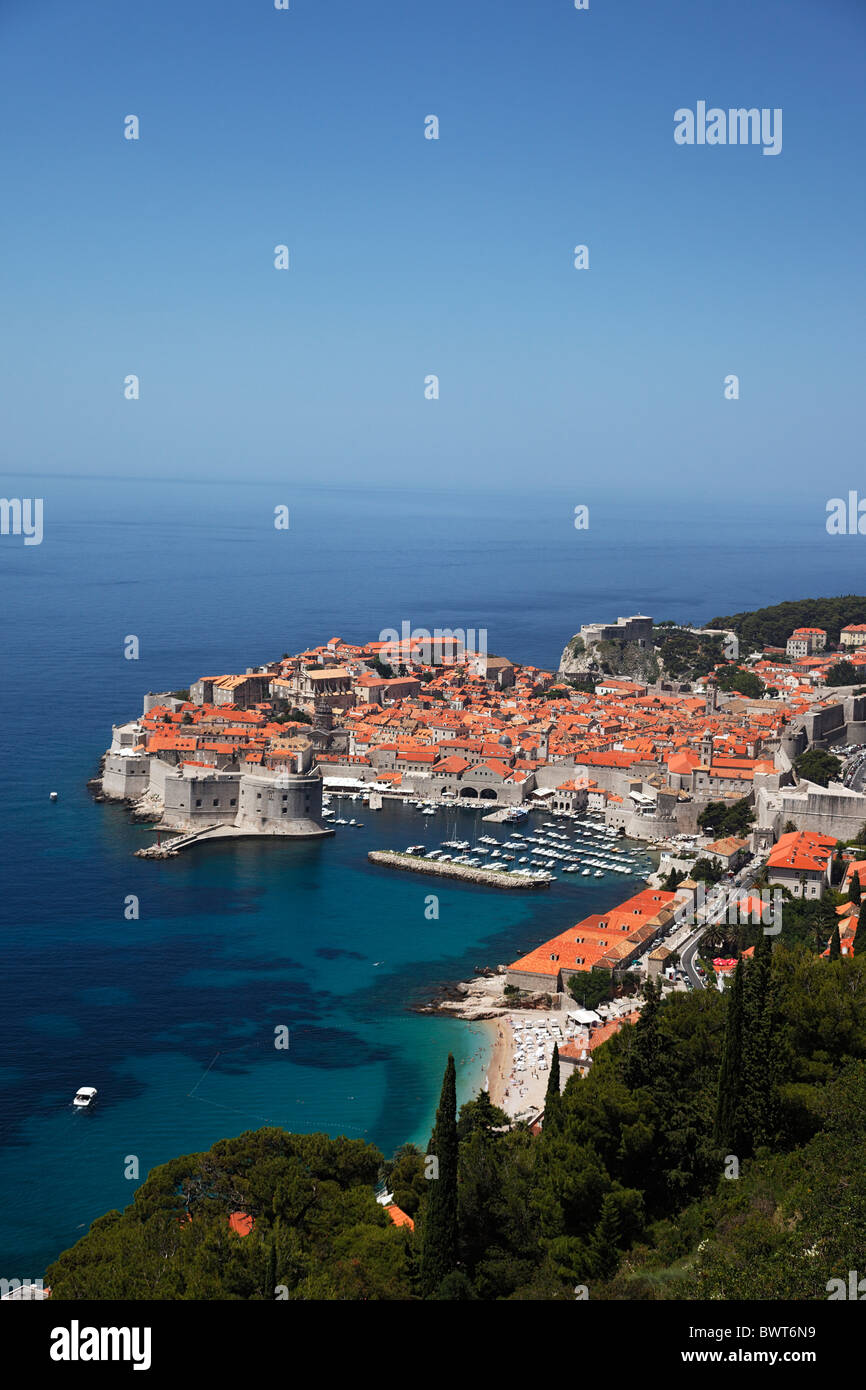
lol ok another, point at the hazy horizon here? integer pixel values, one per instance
(410, 257)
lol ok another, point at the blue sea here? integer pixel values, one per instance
(172, 1015)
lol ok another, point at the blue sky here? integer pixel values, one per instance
(452, 257)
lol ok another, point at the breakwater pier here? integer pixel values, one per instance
(489, 878)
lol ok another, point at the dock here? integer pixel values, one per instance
(487, 878)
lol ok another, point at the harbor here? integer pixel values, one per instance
(582, 847)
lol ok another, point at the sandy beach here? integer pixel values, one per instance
(521, 1092)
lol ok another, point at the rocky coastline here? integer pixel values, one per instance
(482, 997)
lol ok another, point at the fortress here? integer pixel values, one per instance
(637, 629)
(283, 798)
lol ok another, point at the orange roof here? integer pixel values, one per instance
(241, 1223)
(399, 1217)
(802, 850)
(601, 936)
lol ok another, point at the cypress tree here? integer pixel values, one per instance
(860, 934)
(759, 1071)
(835, 944)
(552, 1098)
(271, 1266)
(439, 1228)
(855, 892)
(728, 1132)
(641, 1066)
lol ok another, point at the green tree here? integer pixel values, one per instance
(707, 870)
(860, 934)
(735, 678)
(760, 1099)
(479, 1114)
(439, 1212)
(855, 889)
(641, 1065)
(817, 765)
(728, 1130)
(835, 944)
(842, 673)
(590, 987)
(552, 1102)
(727, 819)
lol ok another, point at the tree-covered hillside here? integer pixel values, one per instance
(771, 627)
(629, 1191)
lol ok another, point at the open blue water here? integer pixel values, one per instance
(172, 1016)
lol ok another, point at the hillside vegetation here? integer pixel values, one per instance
(771, 627)
(714, 1150)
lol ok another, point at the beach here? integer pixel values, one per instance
(520, 1092)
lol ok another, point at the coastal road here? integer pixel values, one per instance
(741, 882)
(687, 958)
(856, 776)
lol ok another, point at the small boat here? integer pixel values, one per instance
(84, 1096)
(584, 873)
(52, 796)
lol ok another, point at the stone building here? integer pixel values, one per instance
(637, 630)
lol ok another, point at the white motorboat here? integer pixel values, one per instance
(84, 1096)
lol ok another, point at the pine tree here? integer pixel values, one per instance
(439, 1226)
(729, 1103)
(835, 944)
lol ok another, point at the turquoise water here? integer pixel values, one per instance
(172, 1016)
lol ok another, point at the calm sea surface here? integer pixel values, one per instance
(172, 1016)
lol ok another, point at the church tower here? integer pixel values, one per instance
(707, 748)
(323, 716)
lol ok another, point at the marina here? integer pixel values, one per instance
(584, 849)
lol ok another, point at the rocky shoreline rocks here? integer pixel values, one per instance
(480, 998)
